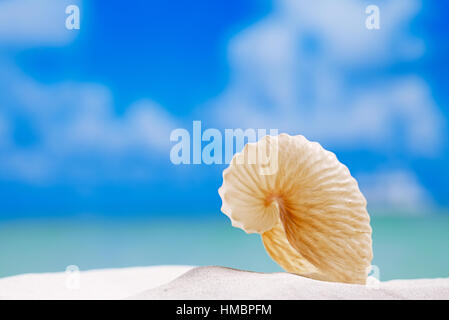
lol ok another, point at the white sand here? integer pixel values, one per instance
(93, 284)
(185, 282)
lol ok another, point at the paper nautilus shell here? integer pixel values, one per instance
(304, 203)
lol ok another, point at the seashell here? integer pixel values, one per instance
(309, 210)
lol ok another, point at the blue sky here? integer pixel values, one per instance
(85, 116)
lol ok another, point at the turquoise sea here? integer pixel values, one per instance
(404, 247)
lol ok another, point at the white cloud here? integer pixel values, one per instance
(77, 131)
(395, 190)
(340, 25)
(26, 165)
(4, 128)
(27, 23)
(301, 70)
(150, 125)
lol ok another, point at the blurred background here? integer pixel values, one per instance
(86, 115)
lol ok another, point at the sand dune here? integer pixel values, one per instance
(185, 282)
